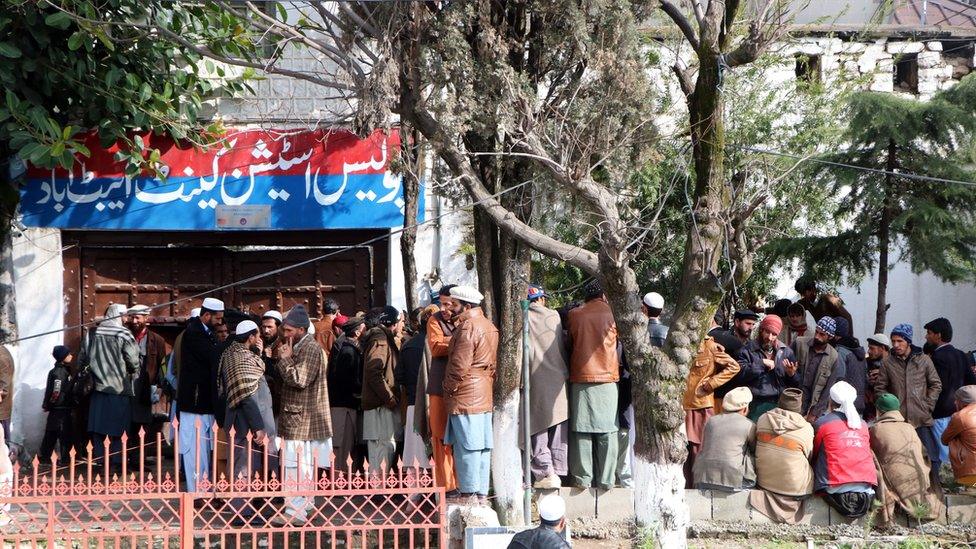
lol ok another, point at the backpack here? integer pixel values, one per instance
(84, 383)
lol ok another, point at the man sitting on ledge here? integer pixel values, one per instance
(725, 462)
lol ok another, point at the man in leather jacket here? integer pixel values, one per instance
(468, 382)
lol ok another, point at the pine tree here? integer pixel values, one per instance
(931, 224)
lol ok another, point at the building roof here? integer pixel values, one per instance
(936, 13)
(902, 14)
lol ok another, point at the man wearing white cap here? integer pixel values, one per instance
(241, 379)
(197, 391)
(468, 383)
(843, 465)
(152, 350)
(552, 525)
(651, 306)
(113, 356)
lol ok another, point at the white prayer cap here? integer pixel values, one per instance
(844, 395)
(654, 300)
(273, 314)
(194, 312)
(138, 310)
(245, 326)
(551, 507)
(213, 304)
(467, 294)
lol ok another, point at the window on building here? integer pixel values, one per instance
(959, 55)
(906, 73)
(808, 69)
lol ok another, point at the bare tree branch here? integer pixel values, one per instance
(679, 19)
(505, 219)
(684, 80)
(206, 52)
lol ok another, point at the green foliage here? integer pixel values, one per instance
(87, 65)
(658, 193)
(932, 223)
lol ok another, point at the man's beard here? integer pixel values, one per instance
(269, 340)
(819, 345)
(767, 348)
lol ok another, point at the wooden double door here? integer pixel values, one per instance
(250, 272)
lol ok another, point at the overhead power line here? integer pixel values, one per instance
(879, 171)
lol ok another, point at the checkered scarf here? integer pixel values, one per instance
(241, 370)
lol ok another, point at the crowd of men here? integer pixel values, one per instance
(800, 408)
(785, 399)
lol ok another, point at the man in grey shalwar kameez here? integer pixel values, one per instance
(249, 408)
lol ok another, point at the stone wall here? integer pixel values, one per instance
(706, 505)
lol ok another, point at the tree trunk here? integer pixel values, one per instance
(659, 376)
(412, 156)
(503, 265)
(884, 240)
(409, 143)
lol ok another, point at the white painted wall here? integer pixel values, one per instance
(438, 262)
(39, 290)
(915, 299)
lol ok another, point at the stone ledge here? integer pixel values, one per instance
(715, 505)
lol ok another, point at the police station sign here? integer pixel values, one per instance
(250, 179)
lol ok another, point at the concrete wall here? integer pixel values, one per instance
(706, 505)
(915, 299)
(39, 285)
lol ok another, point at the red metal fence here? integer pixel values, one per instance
(134, 499)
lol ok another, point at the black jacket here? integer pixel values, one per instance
(955, 371)
(197, 385)
(345, 375)
(408, 369)
(543, 537)
(59, 394)
(850, 351)
(765, 384)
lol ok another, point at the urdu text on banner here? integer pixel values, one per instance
(323, 179)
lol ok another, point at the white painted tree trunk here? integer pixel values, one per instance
(506, 462)
(659, 502)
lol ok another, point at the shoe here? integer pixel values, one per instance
(460, 499)
(551, 482)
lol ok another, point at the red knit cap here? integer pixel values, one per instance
(772, 323)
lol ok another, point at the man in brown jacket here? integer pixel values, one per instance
(305, 423)
(909, 375)
(468, 381)
(593, 374)
(324, 329)
(712, 369)
(152, 350)
(381, 416)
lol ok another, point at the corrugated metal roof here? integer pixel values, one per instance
(936, 13)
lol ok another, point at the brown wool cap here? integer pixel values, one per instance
(791, 400)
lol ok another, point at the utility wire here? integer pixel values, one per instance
(879, 171)
(286, 268)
